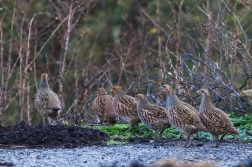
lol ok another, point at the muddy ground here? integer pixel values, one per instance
(24, 145)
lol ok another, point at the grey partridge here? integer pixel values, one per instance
(216, 120)
(47, 102)
(125, 106)
(153, 116)
(181, 116)
(103, 108)
(192, 109)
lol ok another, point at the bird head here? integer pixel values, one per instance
(44, 77)
(141, 97)
(203, 91)
(116, 89)
(167, 89)
(101, 91)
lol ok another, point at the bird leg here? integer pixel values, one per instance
(161, 133)
(155, 134)
(127, 130)
(189, 141)
(217, 141)
(45, 119)
(131, 127)
(197, 136)
(222, 137)
(133, 123)
(181, 136)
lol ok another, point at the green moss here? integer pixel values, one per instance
(113, 142)
(242, 122)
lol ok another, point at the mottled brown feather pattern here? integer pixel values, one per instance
(47, 102)
(103, 108)
(125, 106)
(153, 116)
(216, 120)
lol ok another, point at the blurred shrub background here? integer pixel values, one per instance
(137, 44)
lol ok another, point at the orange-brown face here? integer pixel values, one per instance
(101, 91)
(116, 89)
(168, 89)
(44, 77)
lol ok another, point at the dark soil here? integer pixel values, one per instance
(23, 134)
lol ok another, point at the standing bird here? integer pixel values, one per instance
(192, 109)
(47, 102)
(216, 120)
(153, 116)
(182, 117)
(103, 108)
(125, 106)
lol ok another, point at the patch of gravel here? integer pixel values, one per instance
(229, 154)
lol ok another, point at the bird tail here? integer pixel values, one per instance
(202, 127)
(113, 116)
(233, 131)
(113, 119)
(55, 110)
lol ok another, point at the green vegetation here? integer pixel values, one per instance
(243, 123)
(118, 136)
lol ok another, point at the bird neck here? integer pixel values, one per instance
(120, 93)
(43, 84)
(172, 100)
(205, 102)
(102, 94)
(143, 102)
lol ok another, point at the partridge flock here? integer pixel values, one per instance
(47, 102)
(182, 116)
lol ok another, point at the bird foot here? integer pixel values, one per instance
(188, 145)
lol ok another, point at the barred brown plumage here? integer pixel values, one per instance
(182, 117)
(216, 120)
(153, 116)
(125, 106)
(103, 108)
(47, 102)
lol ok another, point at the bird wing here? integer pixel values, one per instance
(99, 106)
(156, 111)
(218, 118)
(42, 100)
(190, 107)
(128, 104)
(185, 115)
(54, 100)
